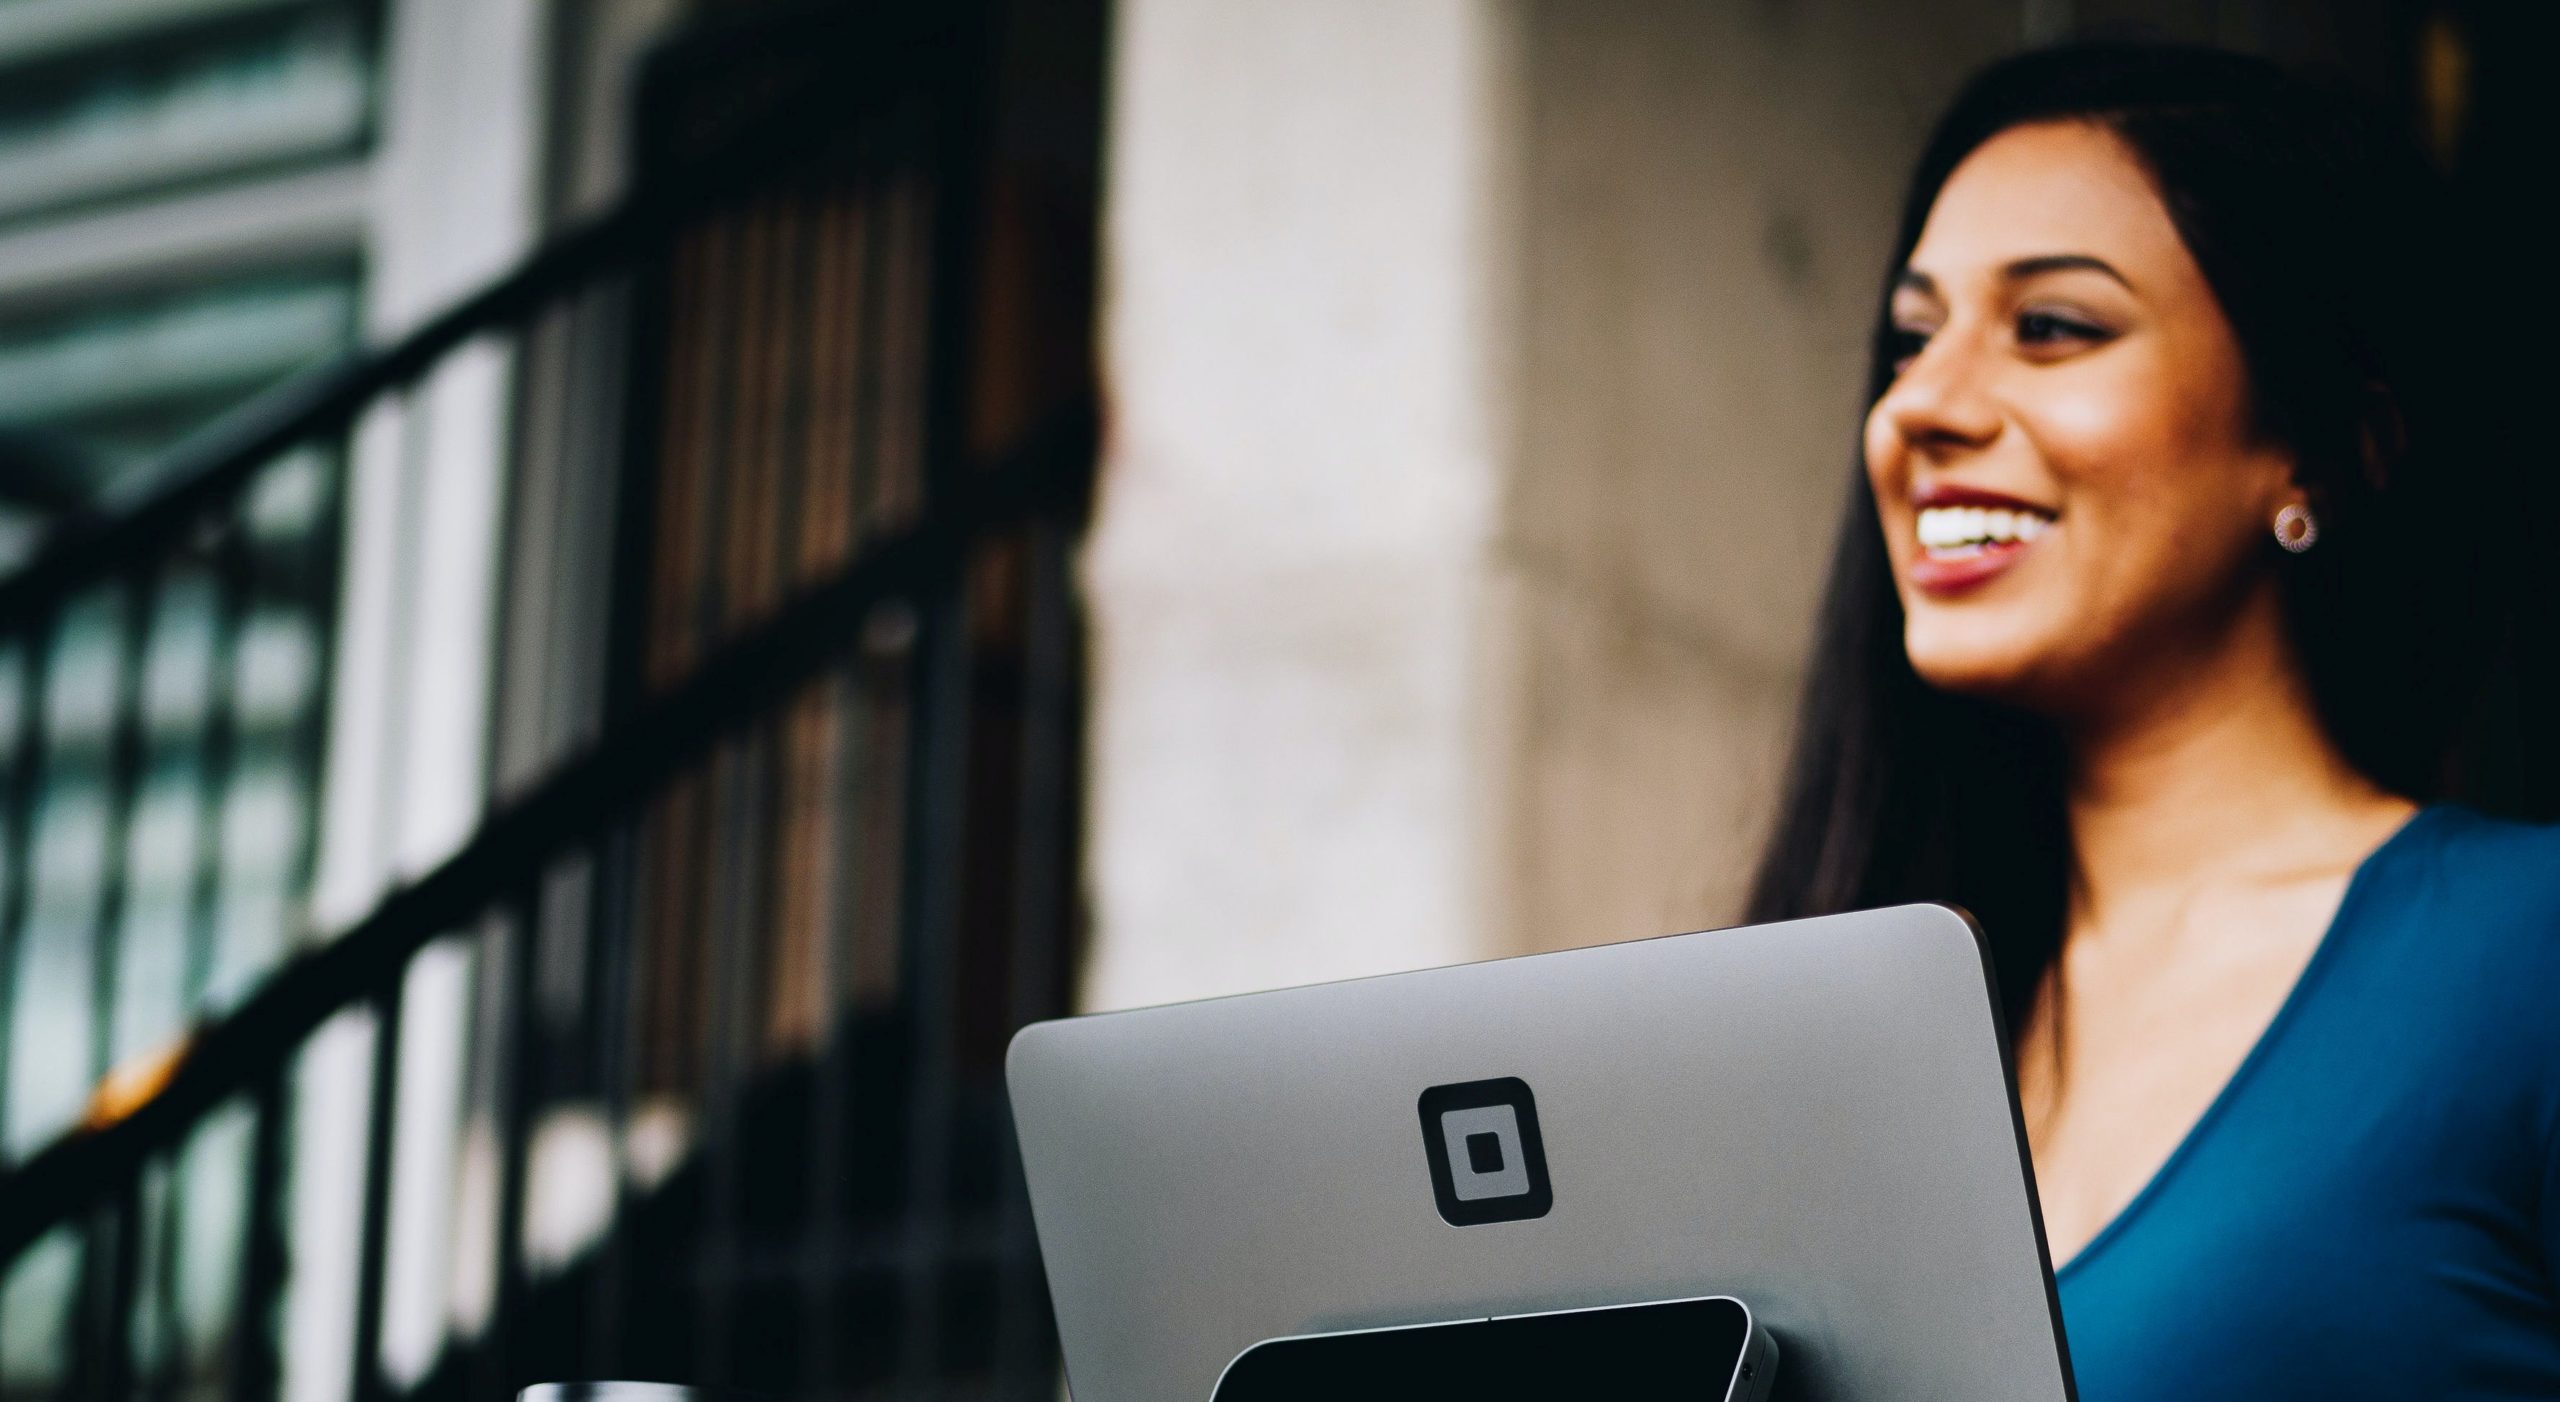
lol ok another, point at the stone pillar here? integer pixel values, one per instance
(1289, 561)
(1483, 376)
(1708, 194)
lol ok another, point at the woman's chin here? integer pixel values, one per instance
(1987, 669)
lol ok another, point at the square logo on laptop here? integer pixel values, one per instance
(1487, 1162)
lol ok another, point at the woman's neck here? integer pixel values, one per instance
(2226, 775)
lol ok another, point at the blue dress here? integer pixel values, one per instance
(2371, 1207)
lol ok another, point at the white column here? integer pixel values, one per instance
(1303, 226)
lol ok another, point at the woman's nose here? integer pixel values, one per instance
(1941, 399)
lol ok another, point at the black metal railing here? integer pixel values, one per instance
(904, 1258)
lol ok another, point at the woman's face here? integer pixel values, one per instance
(2070, 490)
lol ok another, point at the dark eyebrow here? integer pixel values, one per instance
(2025, 268)
(1914, 280)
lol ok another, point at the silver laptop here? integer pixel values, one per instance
(1816, 1117)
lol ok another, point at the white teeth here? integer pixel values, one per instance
(1961, 527)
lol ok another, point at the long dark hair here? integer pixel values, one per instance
(2322, 231)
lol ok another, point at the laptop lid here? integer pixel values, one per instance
(1816, 1117)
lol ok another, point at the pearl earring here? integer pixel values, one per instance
(2297, 529)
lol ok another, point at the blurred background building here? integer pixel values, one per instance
(599, 597)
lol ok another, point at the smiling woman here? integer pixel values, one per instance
(2099, 390)
(2158, 614)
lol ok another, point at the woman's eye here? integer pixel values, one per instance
(1903, 345)
(2049, 328)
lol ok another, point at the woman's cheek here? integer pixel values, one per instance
(2089, 435)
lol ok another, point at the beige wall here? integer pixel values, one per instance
(1290, 544)
(1482, 378)
(1708, 194)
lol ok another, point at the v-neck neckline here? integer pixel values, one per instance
(2287, 1012)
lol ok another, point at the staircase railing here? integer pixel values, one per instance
(589, 813)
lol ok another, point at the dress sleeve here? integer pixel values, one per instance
(2547, 1218)
(2551, 1197)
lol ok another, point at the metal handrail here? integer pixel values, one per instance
(1049, 472)
(923, 688)
(220, 460)
(169, 503)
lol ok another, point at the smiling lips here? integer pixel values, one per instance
(1968, 536)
